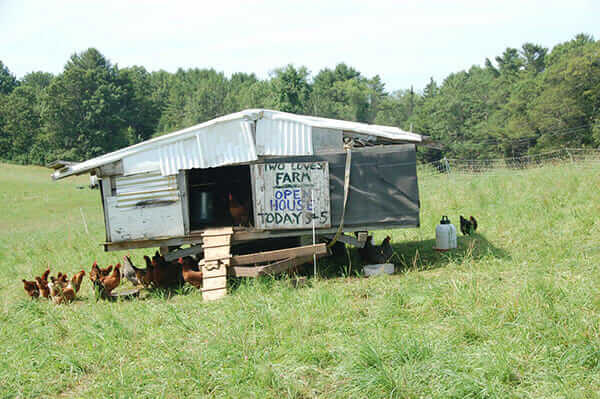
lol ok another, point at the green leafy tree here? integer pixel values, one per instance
(21, 124)
(141, 111)
(291, 89)
(8, 82)
(84, 108)
(535, 57)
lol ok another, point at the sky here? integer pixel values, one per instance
(404, 42)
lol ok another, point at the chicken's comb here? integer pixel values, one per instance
(95, 263)
(180, 260)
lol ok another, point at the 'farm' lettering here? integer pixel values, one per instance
(293, 177)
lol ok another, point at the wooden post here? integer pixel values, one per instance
(217, 246)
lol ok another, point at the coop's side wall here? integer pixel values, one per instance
(142, 206)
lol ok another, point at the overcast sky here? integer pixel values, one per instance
(405, 42)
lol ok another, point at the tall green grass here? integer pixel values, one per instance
(513, 312)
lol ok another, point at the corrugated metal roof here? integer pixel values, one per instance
(229, 140)
(283, 137)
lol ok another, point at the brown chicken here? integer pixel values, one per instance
(76, 280)
(239, 212)
(31, 288)
(95, 273)
(166, 274)
(45, 275)
(106, 272)
(159, 272)
(189, 275)
(68, 293)
(56, 288)
(146, 277)
(113, 280)
(43, 286)
(60, 279)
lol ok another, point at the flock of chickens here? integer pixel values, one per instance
(158, 274)
(59, 288)
(162, 274)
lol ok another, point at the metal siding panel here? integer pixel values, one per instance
(134, 189)
(327, 140)
(135, 223)
(283, 137)
(130, 220)
(223, 144)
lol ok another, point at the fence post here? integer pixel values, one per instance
(570, 155)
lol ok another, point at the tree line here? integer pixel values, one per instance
(524, 101)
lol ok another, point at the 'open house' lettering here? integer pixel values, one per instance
(291, 195)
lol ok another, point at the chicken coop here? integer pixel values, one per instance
(256, 177)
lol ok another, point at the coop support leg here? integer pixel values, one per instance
(217, 255)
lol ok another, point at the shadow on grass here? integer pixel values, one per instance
(415, 255)
(410, 255)
(421, 255)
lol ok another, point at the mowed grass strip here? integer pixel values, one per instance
(513, 312)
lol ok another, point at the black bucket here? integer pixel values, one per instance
(202, 208)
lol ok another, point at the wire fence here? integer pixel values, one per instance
(581, 157)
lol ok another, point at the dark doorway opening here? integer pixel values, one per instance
(218, 195)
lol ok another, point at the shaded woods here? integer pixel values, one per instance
(521, 102)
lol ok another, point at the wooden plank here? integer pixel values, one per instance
(180, 253)
(216, 253)
(217, 241)
(213, 268)
(213, 295)
(218, 231)
(240, 235)
(111, 169)
(216, 246)
(346, 239)
(182, 185)
(253, 188)
(274, 268)
(318, 249)
(288, 195)
(137, 244)
(105, 190)
(284, 265)
(243, 271)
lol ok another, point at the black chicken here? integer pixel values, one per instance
(468, 226)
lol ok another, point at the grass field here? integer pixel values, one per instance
(514, 312)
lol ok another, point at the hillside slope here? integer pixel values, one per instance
(514, 312)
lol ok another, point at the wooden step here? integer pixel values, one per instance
(217, 253)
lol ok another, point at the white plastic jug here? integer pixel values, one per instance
(445, 235)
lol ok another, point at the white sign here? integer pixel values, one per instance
(289, 195)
